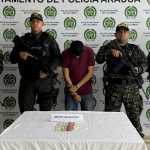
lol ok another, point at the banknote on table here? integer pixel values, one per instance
(64, 126)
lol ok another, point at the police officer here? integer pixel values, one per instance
(125, 62)
(37, 54)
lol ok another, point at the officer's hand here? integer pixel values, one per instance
(24, 55)
(42, 75)
(116, 53)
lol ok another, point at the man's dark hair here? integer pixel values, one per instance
(76, 48)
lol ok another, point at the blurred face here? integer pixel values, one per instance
(36, 25)
(122, 36)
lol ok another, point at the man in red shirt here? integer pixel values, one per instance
(78, 65)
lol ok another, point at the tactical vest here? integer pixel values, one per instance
(114, 63)
(39, 48)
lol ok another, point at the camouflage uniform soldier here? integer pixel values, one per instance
(121, 86)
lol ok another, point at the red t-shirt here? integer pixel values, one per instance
(78, 68)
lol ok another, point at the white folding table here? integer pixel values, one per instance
(98, 131)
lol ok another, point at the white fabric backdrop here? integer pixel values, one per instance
(91, 21)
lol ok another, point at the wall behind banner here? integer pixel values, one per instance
(90, 21)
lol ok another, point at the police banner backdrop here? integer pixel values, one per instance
(91, 21)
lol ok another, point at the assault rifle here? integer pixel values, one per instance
(55, 91)
(125, 61)
(33, 58)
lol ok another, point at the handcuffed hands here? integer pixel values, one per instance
(73, 90)
(76, 97)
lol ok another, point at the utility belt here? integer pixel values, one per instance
(121, 81)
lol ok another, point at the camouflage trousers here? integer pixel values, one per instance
(128, 95)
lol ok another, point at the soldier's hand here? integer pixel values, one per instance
(42, 75)
(116, 53)
(24, 55)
